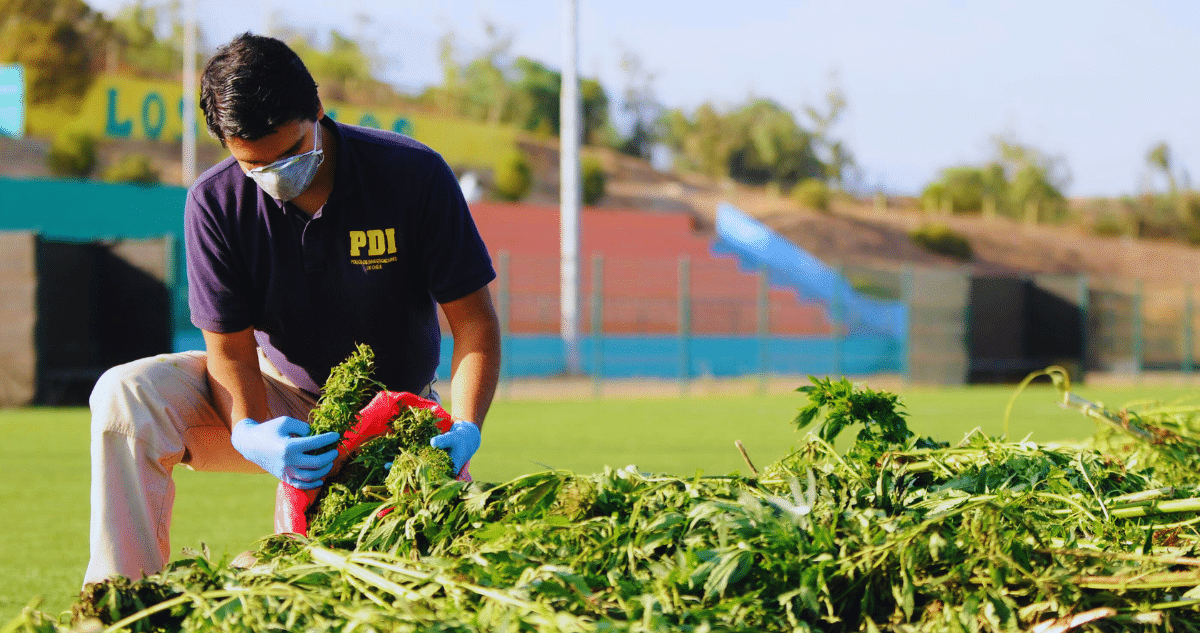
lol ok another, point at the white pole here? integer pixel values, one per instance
(570, 194)
(188, 168)
(268, 18)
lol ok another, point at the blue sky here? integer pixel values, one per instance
(929, 82)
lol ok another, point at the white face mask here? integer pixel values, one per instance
(288, 177)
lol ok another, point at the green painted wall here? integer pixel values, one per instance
(140, 109)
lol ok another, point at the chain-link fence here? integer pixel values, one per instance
(1136, 327)
(686, 320)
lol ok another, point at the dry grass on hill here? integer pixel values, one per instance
(858, 233)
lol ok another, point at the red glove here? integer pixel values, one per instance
(373, 420)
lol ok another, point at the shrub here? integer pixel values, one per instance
(133, 168)
(594, 181)
(1032, 186)
(812, 194)
(1191, 205)
(965, 189)
(941, 239)
(874, 288)
(1109, 227)
(72, 155)
(931, 197)
(512, 177)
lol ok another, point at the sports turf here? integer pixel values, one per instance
(44, 464)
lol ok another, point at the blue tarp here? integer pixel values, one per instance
(758, 248)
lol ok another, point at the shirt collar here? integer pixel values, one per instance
(341, 170)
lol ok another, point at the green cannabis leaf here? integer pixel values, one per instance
(347, 389)
(844, 405)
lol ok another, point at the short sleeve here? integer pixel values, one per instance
(454, 257)
(215, 291)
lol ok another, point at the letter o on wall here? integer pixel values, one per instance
(154, 115)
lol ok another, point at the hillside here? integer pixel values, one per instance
(852, 233)
(1002, 246)
(858, 233)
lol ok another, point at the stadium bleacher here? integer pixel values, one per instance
(641, 254)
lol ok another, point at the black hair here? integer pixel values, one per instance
(254, 84)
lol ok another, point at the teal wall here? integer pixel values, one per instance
(83, 210)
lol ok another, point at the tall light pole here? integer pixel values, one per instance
(188, 165)
(569, 192)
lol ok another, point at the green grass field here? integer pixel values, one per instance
(44, 466)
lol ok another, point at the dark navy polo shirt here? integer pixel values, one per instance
(394, 238)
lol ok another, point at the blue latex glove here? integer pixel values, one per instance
(462, 440)
(281, 446)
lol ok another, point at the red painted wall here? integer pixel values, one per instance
(641, 252)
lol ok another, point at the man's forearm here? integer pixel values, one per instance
(234, 377)
(475, 371)
(475, 366)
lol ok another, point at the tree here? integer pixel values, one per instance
(55, 41)
(767, 145)
(539, 88)
(677, 130)
(758, 143)
(339, 69)
(1160, 160)
(709, 147)
(447, 96)
(1020, 182)
(839, 161)
(642, 105)
(140, 49)
(966, 189)
(487, 92)
(595, 110)
(487, 89)
(1036, 181)
(493, 88)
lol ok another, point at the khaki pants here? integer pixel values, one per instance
(148, 416)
